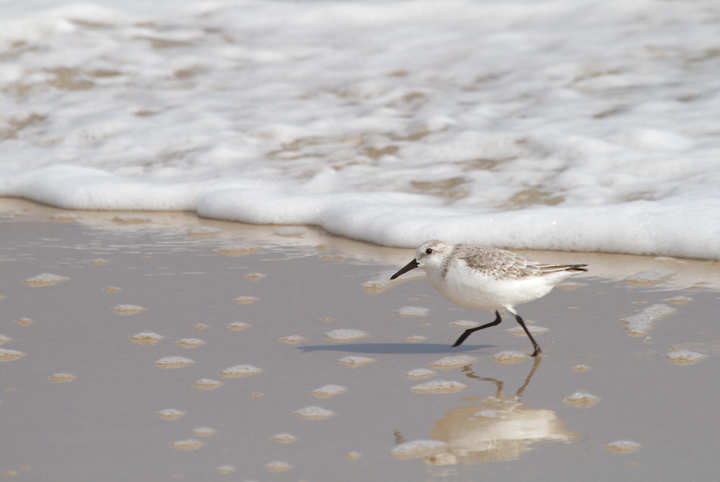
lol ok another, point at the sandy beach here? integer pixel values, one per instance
(160, 346)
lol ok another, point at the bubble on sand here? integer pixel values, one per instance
(173, 362)
(170, 414)
(10, 355)
(62, 377)
(204, 432)
(256, 394)
(419, 449)
(202, 231)
(45, 279)
(650, 276)
(132, 219)
(245, 300)
(333, 257)
(419, 373)
(238, 326)
(641, 323)
(678, 300)
(189, 444)
(581, 400)
(24, 321)
(353, 455)
(126, 310)
(313, 412)
(415, 339)
(111, 289)
(190, 342)
(283, 438)
(327, 319)
(684, 357)
(356, 361)
(4, 339)
(345, 335)
(453, 361)
(328, 391)
(534, 330)
(438, 386)
(201, 326)
(291, 339)
(486, 415)
(255, 276)
(207, 384)
(146, 338)
(98, 262)
(225, 469)
(240, 371)
(290, 231)
(464, 324)
(277, 467)
(622, 447)
(509, 357)
(412, 311)
(581, 368)
(64, 217)
(238, 250)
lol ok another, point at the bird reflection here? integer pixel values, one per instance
(497, 430)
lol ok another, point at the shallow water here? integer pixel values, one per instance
(512, 421)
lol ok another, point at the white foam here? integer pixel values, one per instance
(434, 138)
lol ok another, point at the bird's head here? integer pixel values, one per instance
(428, 255)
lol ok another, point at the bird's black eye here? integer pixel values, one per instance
(428, 251)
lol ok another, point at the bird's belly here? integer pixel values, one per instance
(485, 293)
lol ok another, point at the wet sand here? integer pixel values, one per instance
(83, 398)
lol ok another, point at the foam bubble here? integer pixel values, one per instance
(353, 455)
(24, 321)
(190, 342)
(45, 279)
(277, 467)
(238, 250)
(649, 276)
(111, 289)
(284, 438)
(415, 339)
(4, 339)
(170, 414)
(313, 412)
(204, 432)
(292, 339)
(173, 362)
(201, 326)
(225, 469)
(189, 444)
(509, 357)
(238, 326)
(678, 300)
(132, 219)
(453, 361)
(328, 391)
(581, 400)
(641, 323)
(98, 262)
(10, 355)
(64, 217)
(623, 446)
(534, 330)
(128, 309)
(146, 338)
(412, 311)
(684, 357)
(240, 371)
(486, 415)
(419, 373)
(207, 384)
(255, 276)
(245, 300)
(62, 377)
(464, 324)
(356, 361)
(438, 386)
(202, 231)
(419, 449)
(345, 335)
(581, 368)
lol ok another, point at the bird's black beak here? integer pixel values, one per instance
(410, 266)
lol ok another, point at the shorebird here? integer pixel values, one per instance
(487, 279)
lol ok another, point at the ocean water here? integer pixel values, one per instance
(529, 124)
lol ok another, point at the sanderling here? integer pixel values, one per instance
(487, 278)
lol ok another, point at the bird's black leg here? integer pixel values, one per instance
(527, 332)
(470, 331)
